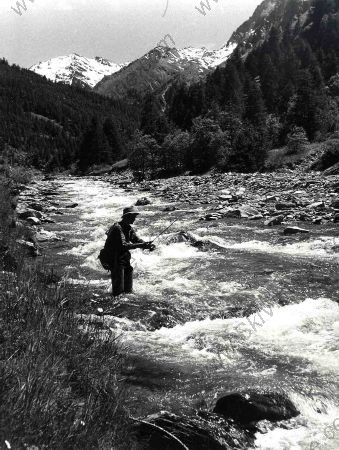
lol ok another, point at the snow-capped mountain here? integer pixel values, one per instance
(161, 66)
(207, 59)
(76, 70)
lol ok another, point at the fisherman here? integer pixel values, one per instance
(121, 238)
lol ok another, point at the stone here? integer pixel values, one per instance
(277, 220)
(169, 209)
(143, 202)
(316, 205)
(33, 221)
(233, 214)
(47, 220)
(333, 170)
(335, 204)
(294, 230)
(213, 216)
(36, 207)
(248, 211)
(284, 205)
(72, 205)
(26, 213)
(257, 217)
(29, 247)
(336, 218)
(247, 407)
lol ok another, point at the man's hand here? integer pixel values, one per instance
(149, 246)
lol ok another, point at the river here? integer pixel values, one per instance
(249, 309)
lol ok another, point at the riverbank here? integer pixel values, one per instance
(60, 385)
(287, 196)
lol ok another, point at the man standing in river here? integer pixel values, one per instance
(121, 238)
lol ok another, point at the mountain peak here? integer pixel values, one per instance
(76, 69)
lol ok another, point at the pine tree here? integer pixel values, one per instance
(113, 137)
(94, 148)
(296, 140)
(254, 104)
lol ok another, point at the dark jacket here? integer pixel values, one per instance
(120, 239)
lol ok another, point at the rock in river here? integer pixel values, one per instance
(26, 213)
(284, 205)
(294, 230)
(143, 202)
(33, 221)
(277, 220)
(246, 407)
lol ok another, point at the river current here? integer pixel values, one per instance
(248, 309)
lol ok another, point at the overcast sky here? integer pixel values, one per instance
(120, 30)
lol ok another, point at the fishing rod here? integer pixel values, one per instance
(164, 231)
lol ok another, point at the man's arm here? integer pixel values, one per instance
(140, 242)
(135, 238)
(135, 241)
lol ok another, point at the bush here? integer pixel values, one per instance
(296, 141)
(329, 157)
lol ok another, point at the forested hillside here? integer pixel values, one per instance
(280, 88)
(43, 123)
(284, 91)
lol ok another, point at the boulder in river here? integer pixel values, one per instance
(246, 212)
(26, 213)
(182, 236)
(213, 216)
(247, 407)
(233, 214)
(335, 203)
(280, 206)
(36, 206)
(277, 220)
(72, 205)
(336, 218)
(169, 209)
(294, 230)
(143, 202)
(33, 221)
(317, 205)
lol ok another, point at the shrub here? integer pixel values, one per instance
(330, 155)
(296, 141)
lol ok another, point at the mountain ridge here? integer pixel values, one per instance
(74, 69)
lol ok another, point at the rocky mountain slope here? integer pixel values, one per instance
(76, 70)
(284, 14)
(159, 67)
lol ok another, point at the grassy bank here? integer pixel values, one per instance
(60, 386)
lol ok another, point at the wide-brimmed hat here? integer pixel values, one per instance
(130, 210)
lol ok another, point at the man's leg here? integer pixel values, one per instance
(128, 278)
(117, 277)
